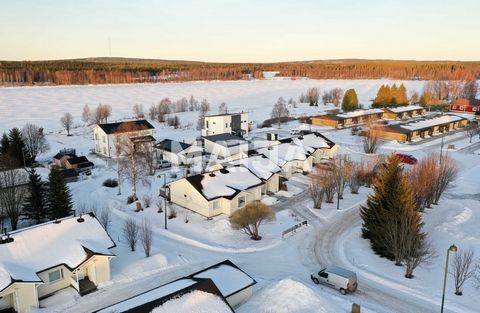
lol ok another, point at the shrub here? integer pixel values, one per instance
(147, 200)
(172, 213)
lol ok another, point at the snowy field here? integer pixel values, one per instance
(281, 266)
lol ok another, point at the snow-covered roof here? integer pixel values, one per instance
(226, 140)
(196, 301)
(47, 245)
(149, 296)
(225, 183)
(285, 152)
(229, 278)
(358, 113)
(406, 108)
(259, 165)
(427, 123)
(312, 141)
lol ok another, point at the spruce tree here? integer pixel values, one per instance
(394, 95)
(35, 207)
(402, 95)
(392, 199)
(4, 144)
(16, 147)
(59, 198)
(350, 101)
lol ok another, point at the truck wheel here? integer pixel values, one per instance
(315, 281)
(343, 291)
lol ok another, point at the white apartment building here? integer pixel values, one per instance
(105, 135)
(234, 123)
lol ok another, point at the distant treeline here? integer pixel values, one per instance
(114, 71)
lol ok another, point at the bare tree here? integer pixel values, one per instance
(280, 110)
(476, 276)
(13, 190)
(204, 107)
(336, 96)
(131, 232)
(222, 109)
(447, 173)
(417, 252)
(146, 236)
(354, 180)
(471, 130)
(317, 194)
(104, 218)
(102, 113)
(422, 177)
(341, 172)
(313, 95)
(67, 122)
(147, 200)
(249, 218)
(462, 269)
(371, 138)
(470, 89)
(138, 111)
(35, 140)
(86, 114)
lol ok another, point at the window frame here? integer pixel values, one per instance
(60, 277)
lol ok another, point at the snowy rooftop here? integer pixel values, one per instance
(224, 183)
(312, 141)
(285, 152)
(402, 109)
(196, 301)
(259, 165)
(432, 122)
(228, 278)
(43, 246)
(358, 113)
(149, 296)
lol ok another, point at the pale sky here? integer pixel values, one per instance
(240, 30)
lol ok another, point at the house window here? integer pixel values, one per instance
(96, 136)
(206, 124)
(104, 139)
(226, 125)
(241, 201)
(216, 205)
(55, 276)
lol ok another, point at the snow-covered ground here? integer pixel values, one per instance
(281, 266)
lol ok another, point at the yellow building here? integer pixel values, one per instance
(403, 112)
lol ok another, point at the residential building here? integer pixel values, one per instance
(347, 119)
(218, 288)
(70, 252)
(290, 157)
(218, 192)
(79, 164)
(226, 146)
(466, 106)
(233, 123)
(420, 129)
(263, 168)
(323, 148)
(62, 155)
(106, 135)
(178, 153)
(403, 112)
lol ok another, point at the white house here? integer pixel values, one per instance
(37, 261)
(233, 123)
(178, 153)
(226, 146)
(219, 192)
(290, 157)
(263, 168)
(323, 148)
(106, 135)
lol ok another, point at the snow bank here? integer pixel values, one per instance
(289, 296)
(194, 302)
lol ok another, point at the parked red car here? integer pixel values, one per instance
(406, 158)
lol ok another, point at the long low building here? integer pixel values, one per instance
(420, 129)
(403, 112)
(347, 119)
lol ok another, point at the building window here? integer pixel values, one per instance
(241, 201)
(55, 276)
(226, 125)
(104, 139)
(96, 136)
(216, 205)
(206, 124)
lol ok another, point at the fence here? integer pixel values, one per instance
(294, 228)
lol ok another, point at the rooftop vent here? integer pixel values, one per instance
(224, 171)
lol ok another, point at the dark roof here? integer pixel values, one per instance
(111, 128)
(85, 165)
(59, 155)
(229, 263)
(78, 160)
(397, 128)
(330, 117)
(225, 114)
(172, 145)
(234, 140)
(69, 173)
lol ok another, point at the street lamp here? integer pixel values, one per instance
(163, 193)
(452, 248)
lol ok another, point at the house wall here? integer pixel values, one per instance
(238, 298)
(21, 296)
(185, 195)
(223, 124)
(105, 144)
(48, 288)
(173, 158)
(323, 153)
(222, 151)
(386, 134)
(251, 195)
(272, 184)
(324, 122)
